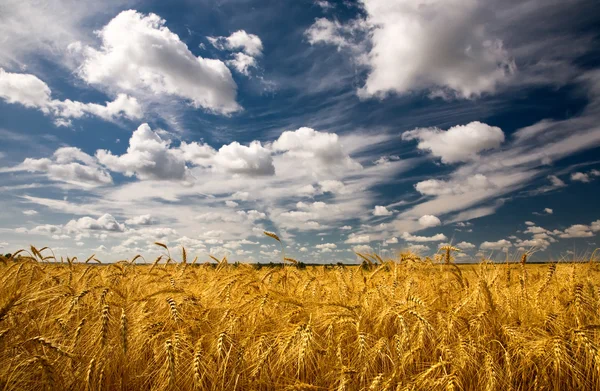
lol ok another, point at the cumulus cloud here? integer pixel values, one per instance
(460, 143)
(363, 249)
(326, 247)
(320, 148)
(442, 46)
(242, 63)
(465, 246)
(580, 177)
(429, 221)
(139, 51)
(71, 165)
(30, 212)
(577, 231)
(148, 157)
(141, 220)
(412, 238)
(30, 91)
(356, 239)
(501, 244)
(381, 211)
(239, 40)
(105, 222)
(252, 160)
(436, 187)
(342, 36)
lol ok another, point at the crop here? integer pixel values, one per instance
(402, 324)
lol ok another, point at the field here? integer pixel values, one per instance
(406, 324)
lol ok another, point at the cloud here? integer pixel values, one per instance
(326, 246)
(148, 157)
(418, 248)
(252, 160)
(71, 165)
(141, 220)
(578, 231)
(556, 181)
(501, 244)
(548, 211)
(342, 36)
(437, 187)
(28, 90)
(392, 240)
(381, 211)
(429, 221)
(30, 212)
(460, 143)
(323, 151)
(441, 46)
(242, 63)
(363, 249)
(465, 246)
(139, 52)
(239, 40)
(105, 222)
(412, 238)
(356, 239)
(580, 177)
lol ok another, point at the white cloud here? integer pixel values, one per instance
(242, 63)
(105, 222)
(381, 211)
(578, 231)
(436, 187)
(529, 223)
(326, 246)
(337, 34)
(24, 89)
(460, 143)
(28, 90)
(392, 240)
(324, 4)
(440, 45)
(346, 227)
(556, 181)
(548, 211)
(412, 238)
(71, 165)
(146, 219)
(252, 160)
(363, 249)
(465, 245)
(429, 221)
(30, 212)
(501, 244)
(319, 149)
(239, 40)
(148, 157)
(356, 239)
(580, 177)
(139, 51)
(231, 204)
(418, 248)
(332, 186)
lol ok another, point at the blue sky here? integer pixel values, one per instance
(342, 126)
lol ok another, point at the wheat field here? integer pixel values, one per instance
(402, 324)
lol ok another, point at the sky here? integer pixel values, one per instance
(341, 126)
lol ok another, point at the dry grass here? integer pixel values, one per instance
(407, 324)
